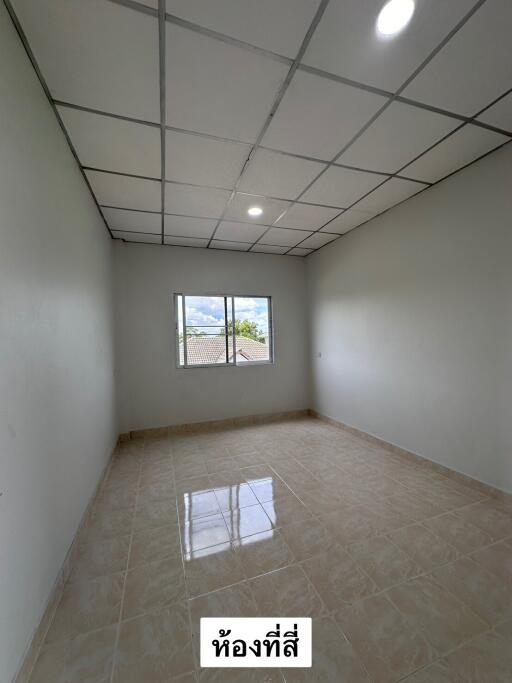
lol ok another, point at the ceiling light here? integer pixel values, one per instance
(255, 211)
(394, 16)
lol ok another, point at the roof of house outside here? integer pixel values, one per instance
(203, 350)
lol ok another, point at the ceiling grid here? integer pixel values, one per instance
(162, 88)
(275, 105)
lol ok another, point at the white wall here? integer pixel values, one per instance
(412, 314)
(153, 392)
(57, 419)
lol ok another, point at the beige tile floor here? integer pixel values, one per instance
(406, 574)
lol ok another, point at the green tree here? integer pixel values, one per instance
(247, 328)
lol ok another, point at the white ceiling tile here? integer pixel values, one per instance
(204, 202)
(125, 192)
(348, 220)
(272, 208)
(113, 144)
(186, 241)
(467, 144)
(389, 194)
(269, 249)
(276, 26)
(500, 114)
(346, 43)
(299, 251)
(95, 53)
(304, 216)
(139, 221)
(203, 161)
(278, 175)
(233, 246)
(318, 239)
(318, 116)
(283, 237)
(183, 226)
(217, 88)
(137, 237)
(149, 3)
(396, 137)
(342, 186)
(474, 67)
(239, 232)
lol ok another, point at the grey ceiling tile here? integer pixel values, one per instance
(299, 251)
(348, 220)
(283, 237)
(474, 67)
(183, 226)
(390, 193)
(125, 192)
(459, 149)
(139, 221)
(303, 216)
(278, 175)
(346, 42)
(276, 26)
(239, 232)
(137, 237)
(397, 136)
(203, 161)
(216, 88)
(186, 241)
(95, 53)
(500, 114)
(272, 208)
(269, 249)
(341, 186)
(308, 119)
(232, 246)
(195, 201)
(113, 144)
(317, 240)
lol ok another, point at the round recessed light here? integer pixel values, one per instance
(394, 17)
(255, 211)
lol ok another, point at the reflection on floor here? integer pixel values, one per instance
(406, 574)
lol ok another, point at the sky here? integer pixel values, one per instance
(209, 310)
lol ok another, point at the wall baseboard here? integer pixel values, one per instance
(421, 460)
(34, 646)
(213, 425)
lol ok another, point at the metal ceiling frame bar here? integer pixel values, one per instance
(46, 90)
(210, 218)
(162, 84)
(294, 155)
(470, 163)
(195, 237)
(404, 85)
(155, 179)
(216, 35)
(277, 100)
(163, 18)
(322, 74)
(228, 251)
(391, 97)
(435, 144)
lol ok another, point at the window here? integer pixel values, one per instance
(223, 330)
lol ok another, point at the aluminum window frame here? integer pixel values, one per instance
(229, 308)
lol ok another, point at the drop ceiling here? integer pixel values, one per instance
(183, 114)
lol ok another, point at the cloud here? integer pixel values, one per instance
(209, 310)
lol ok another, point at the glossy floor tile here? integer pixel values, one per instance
(406, 574)
(384, 638)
